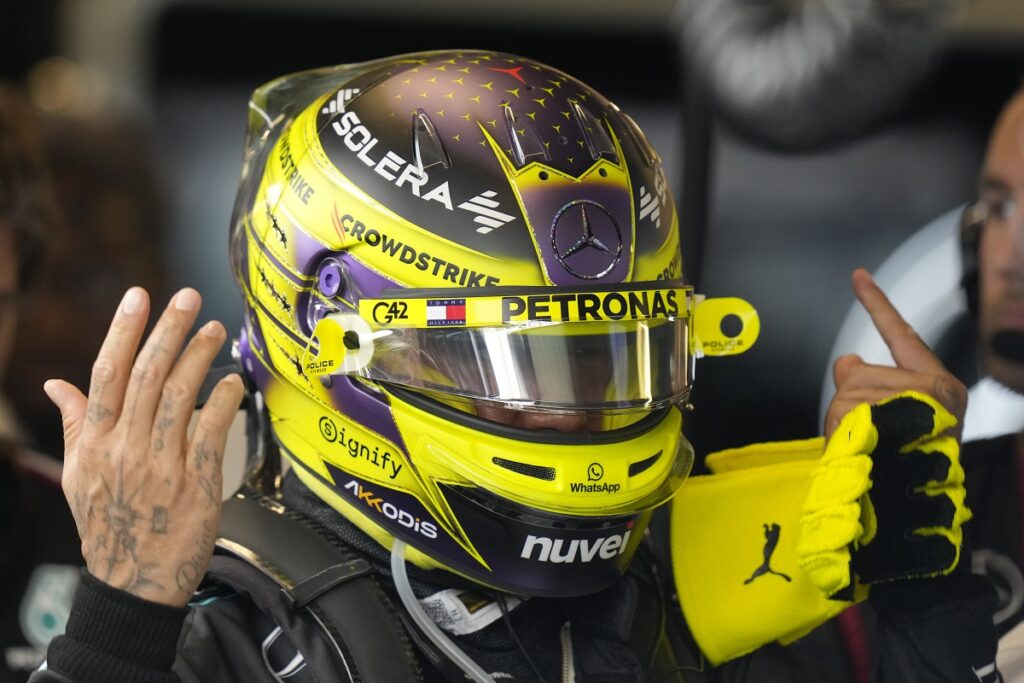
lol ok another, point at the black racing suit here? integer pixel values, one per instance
(995, 494)
(927, 631)
(40, 561)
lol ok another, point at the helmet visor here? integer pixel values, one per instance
(627, 365)
(594, 351)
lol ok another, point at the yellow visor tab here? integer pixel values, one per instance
(517, 309)
(713, 327)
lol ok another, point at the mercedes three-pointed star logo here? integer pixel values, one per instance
(600, 234)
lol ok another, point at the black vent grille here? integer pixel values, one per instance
(535, 471)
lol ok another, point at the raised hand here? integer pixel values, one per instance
(887, 499)
(146, 497)
(917, 368)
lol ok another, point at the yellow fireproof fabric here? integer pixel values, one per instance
(837, 510)
(734, 535)
(759, 545)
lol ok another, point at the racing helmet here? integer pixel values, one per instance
(426, 241)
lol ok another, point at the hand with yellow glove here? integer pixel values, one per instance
(762, 544)
(887, 500)
(734, 533)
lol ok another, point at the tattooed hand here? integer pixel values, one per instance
(146, 497)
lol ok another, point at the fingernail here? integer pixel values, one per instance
(186, 300)
(132, 301)
(211, 329)
(50, 388)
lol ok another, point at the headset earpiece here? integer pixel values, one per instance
(971, 221)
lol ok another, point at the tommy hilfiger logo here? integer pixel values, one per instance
(771, 540)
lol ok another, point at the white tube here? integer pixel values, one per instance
(426, 624)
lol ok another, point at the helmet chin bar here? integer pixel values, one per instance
(543, 554)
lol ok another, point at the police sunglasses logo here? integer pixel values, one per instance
(593, 237)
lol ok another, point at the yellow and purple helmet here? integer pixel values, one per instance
(427, 241)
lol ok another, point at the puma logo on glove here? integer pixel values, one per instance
(771, 541)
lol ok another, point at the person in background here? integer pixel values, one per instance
(992, 233)
(40, 552)
(110, 237)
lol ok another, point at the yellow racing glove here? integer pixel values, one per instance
(886, 501)
(733, 540)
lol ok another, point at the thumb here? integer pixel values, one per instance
(72, 405)
(843, 366)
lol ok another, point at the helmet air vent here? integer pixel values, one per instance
(639, 466)
(427, 147)
(524, 140)
(535, 471)
(594, 135)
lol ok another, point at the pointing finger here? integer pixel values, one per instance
(907, 348)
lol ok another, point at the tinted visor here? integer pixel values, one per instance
(605, 366)
(593, 350)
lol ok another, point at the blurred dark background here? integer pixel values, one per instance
(154, 95)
